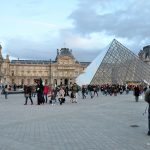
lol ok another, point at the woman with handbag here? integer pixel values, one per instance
(27, 94)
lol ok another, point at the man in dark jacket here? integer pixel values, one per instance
(137, 93)
(147, 99)
(39, 90)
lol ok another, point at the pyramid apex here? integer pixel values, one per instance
(114, 41)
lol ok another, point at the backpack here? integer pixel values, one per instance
(147, 96)
(75, 88)
(3, 91)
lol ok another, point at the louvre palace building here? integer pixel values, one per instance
(63, 70)
(116, 65)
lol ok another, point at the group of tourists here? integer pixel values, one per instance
(114, 89)
(49, 94)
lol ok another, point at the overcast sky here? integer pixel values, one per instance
(35, 29)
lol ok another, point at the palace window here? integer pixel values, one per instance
(13, 81)
(12, 73)
(22, 81)
(4, 70)
(28, 81)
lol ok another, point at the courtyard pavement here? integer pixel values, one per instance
(101, 123)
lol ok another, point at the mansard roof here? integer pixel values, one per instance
(66, 52)
(31, 61)
(85, 63)
(41, 62)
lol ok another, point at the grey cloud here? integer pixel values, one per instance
(129, 22)
(85, 56)
(44, 50)
(124, 20)
(29, 49)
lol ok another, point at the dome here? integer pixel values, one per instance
(66, 52)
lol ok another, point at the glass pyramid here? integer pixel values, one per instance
(86, 77)
(118, 65)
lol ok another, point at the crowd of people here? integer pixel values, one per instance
(51, 95)
(45, 92)
(114, 89)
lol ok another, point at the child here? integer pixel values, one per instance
(61, 97)
(49, 97)
(53, 98)
(72, 97)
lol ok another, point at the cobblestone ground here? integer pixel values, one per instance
(101, 123)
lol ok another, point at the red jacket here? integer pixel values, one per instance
(45, 91)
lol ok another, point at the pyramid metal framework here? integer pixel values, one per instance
(119, 66)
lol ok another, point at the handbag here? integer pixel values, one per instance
(26, 95)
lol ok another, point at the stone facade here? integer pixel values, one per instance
(145, 54)
(63, 70)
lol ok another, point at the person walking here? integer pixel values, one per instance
(45, 91)
(75, 91)
(39, 89)
(83, 92)
(5, 91)
(27, 94)
(147, 99)
(90, 89)
(95, 88)
(136, 93)
(72, 97)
